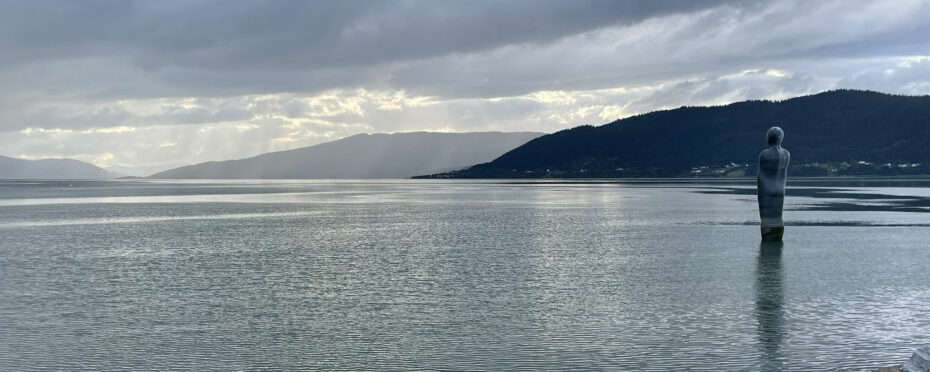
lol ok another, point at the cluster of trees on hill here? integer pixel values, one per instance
(864, 130)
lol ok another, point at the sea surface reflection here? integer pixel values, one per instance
(457, 275)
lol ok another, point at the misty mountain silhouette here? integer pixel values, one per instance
(399, 155)
(847, 128)
(13, 168)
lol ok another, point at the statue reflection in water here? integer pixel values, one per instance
(769, 299)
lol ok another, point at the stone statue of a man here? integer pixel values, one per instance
(773, 172)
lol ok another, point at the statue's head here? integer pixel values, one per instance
(774, 136)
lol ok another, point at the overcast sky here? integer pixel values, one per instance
(155, 84)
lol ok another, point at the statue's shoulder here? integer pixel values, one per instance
(768, 153)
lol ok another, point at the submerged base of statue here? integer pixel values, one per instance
(772, 233)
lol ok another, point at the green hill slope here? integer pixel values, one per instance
(398, 155)
(832, 133)
(13, 168)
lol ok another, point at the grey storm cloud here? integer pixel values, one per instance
(136, 49)
(300, 34)
(223, 47)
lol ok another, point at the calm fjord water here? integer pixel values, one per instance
(458, 275)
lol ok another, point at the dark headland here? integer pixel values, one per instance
(834, 133)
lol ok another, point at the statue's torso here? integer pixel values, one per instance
(773, 171)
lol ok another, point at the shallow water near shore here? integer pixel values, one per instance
(492, 275)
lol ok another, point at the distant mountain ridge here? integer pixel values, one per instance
(399, 155)
(13, 168)
(832, 133)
